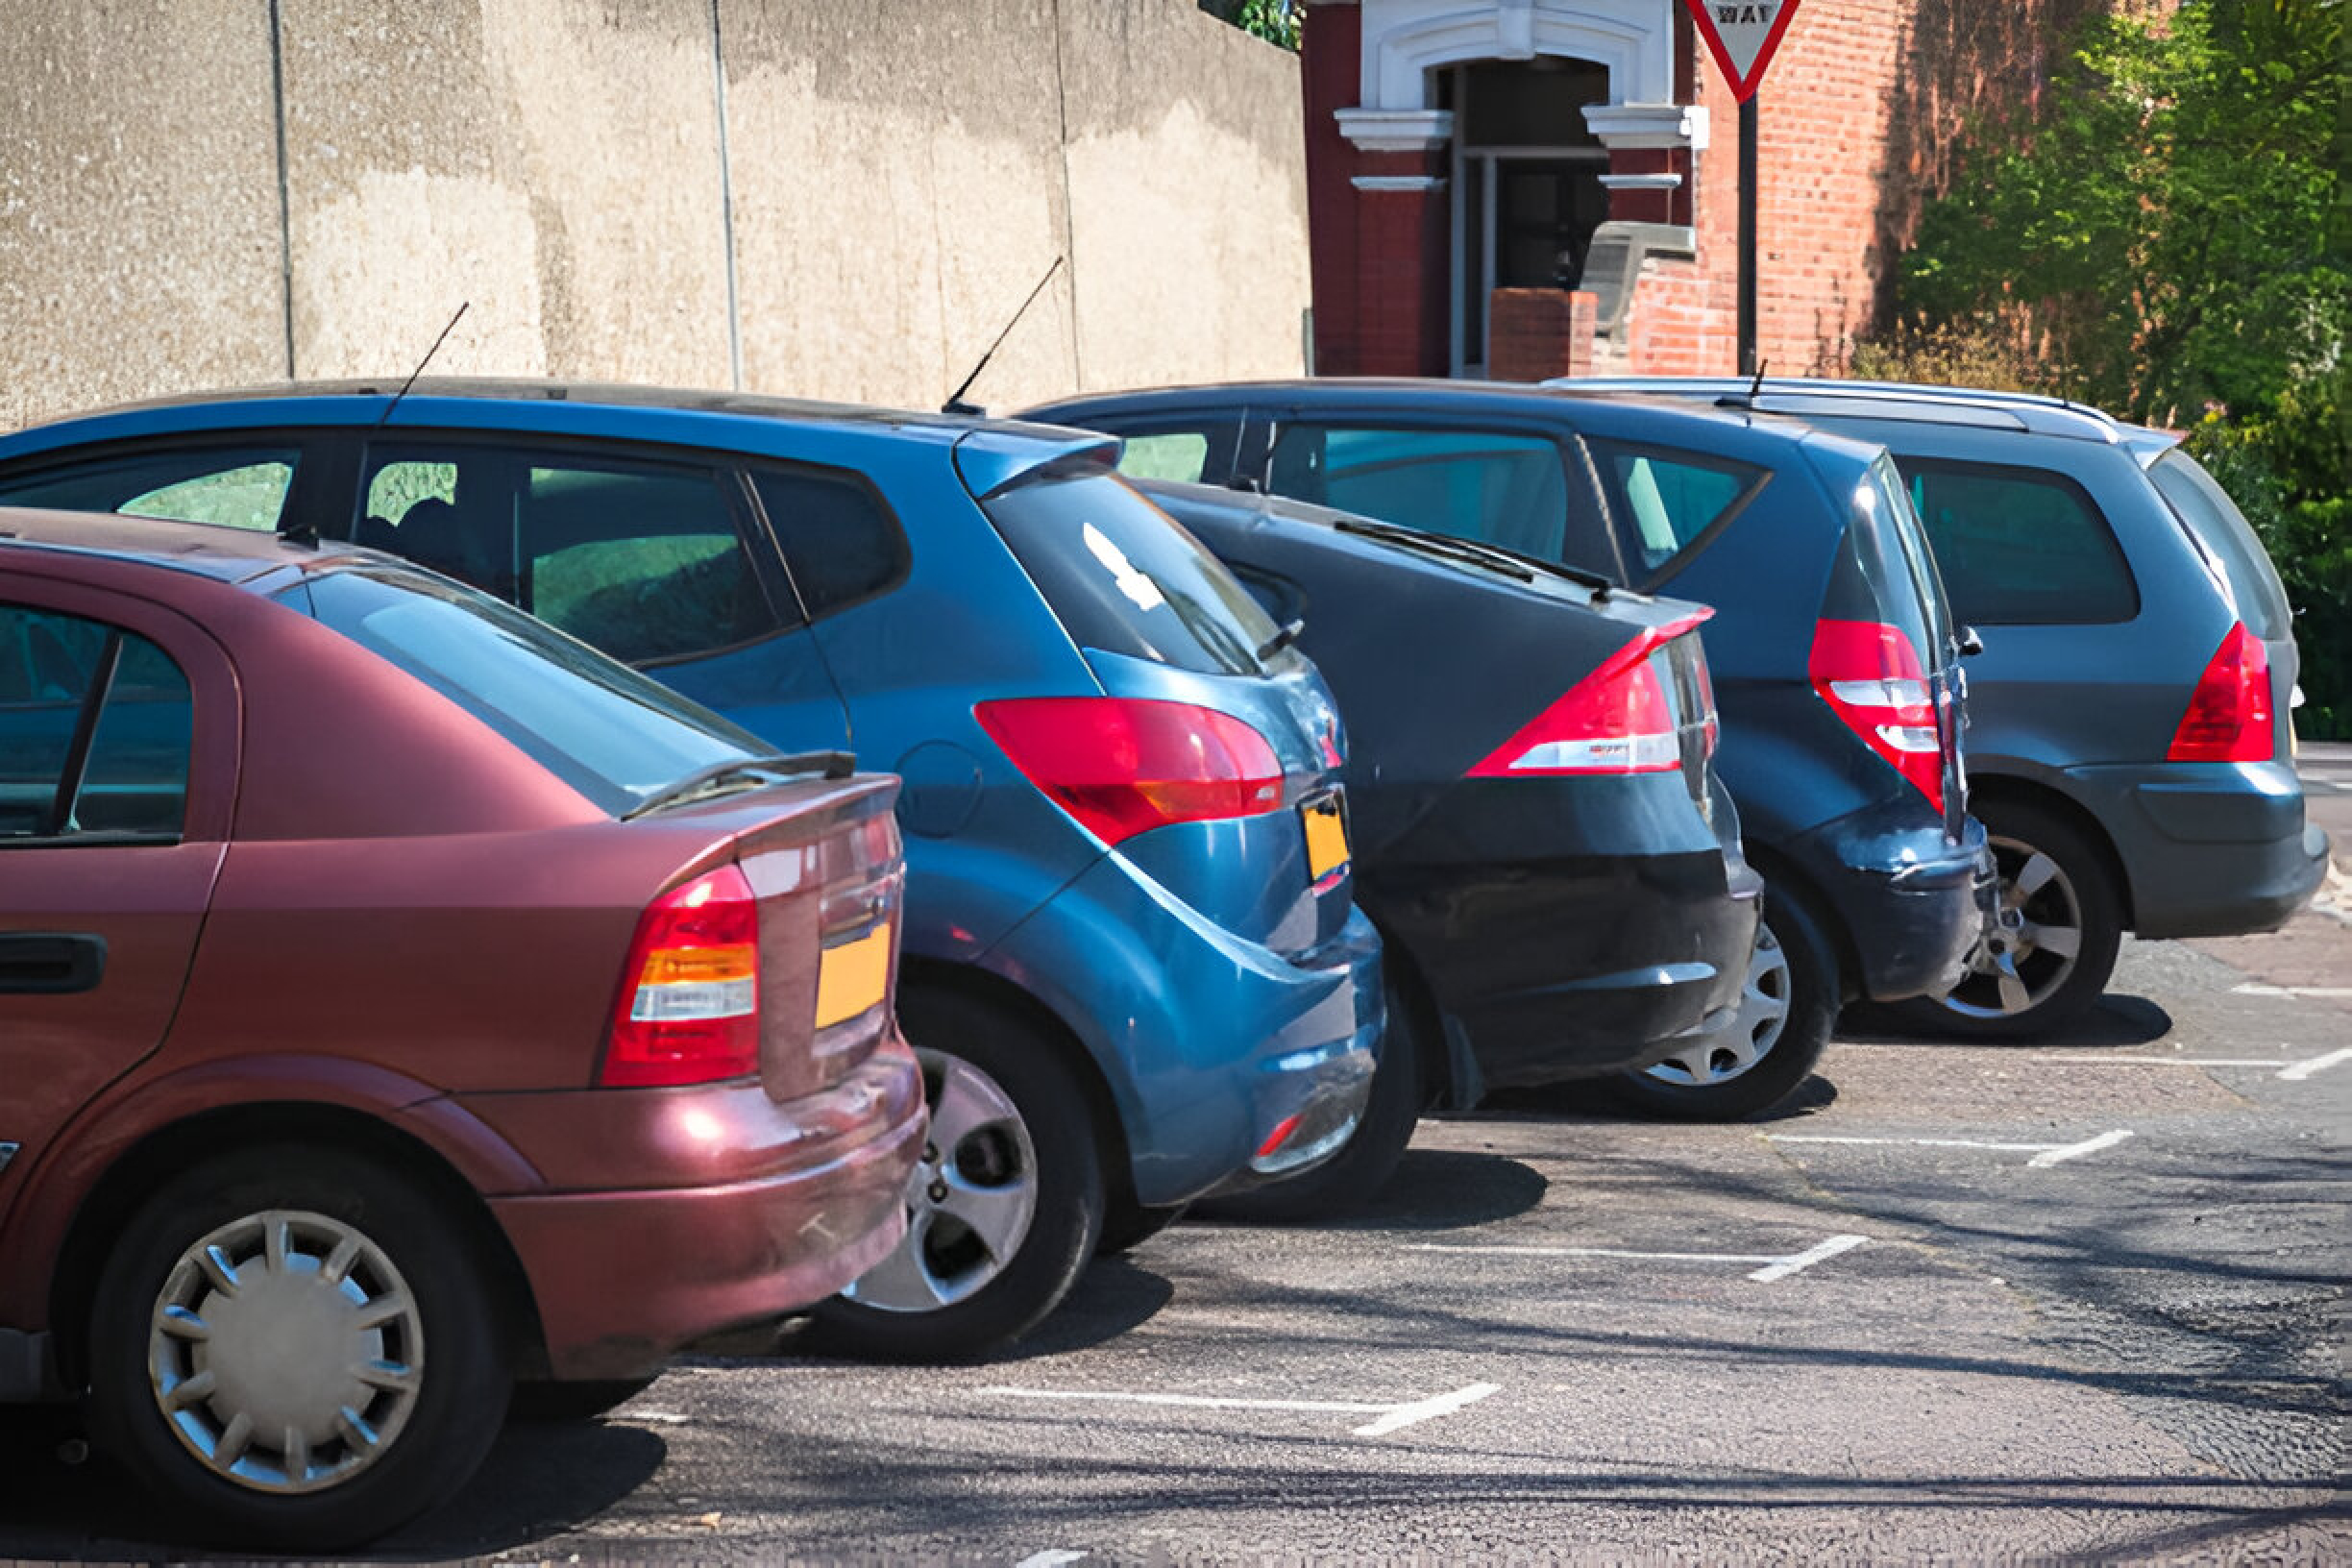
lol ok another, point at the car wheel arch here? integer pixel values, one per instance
(1782, 875)
(135, 1174)
(1996, 789)
(993, 989)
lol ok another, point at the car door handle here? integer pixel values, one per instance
(50, 963)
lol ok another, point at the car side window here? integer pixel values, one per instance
(1503, 489)
(234, 486)
(1665, 498)
(2019, 546)
(1178, 455)
(648, 562)
(841, 543)
(95, 728)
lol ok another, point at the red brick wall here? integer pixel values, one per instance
(1536, 332)
(1328, 65)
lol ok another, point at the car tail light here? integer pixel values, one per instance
(2229, 717)
(689, 1006)
(1871, 676)
(1614, 721)
(1124, 765)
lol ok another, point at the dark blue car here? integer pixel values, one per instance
(1832, 649)
(1132, 962)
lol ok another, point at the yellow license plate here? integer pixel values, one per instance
(854, 977)
(1327, 845)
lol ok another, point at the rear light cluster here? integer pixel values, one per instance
(1616, 719)
(2230, 717)
(1124, 766)
(689, 1008)
(1871, 676)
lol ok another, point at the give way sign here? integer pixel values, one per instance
(1742, 35)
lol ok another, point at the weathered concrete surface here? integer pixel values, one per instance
(138, 202)
(900, 175)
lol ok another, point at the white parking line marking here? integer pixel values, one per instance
(2044, 1154)
(2317, 1064)
(1391, 1416)
(1049, 1560)
(1777, 1265)
(2179, 1061)
(2254, 988)
(1780, 1268)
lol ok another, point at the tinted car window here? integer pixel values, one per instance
(840, 541)
(2020, 546)
(1664, 498)
(1124, 577)
(2196, 498)
(58, 672)
(239, 487)
(1512, 490)
(645, 562)
(615, 736)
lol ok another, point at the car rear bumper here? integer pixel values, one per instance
(673, 1213)
(2209, 850)
(1911, 902)
(1207, 1041)
(1572, 966)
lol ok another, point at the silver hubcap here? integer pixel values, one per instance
(1763, 1013)
(970, 1200)
(286, 1351)
(2030, 951)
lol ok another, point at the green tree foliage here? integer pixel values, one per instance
(1277, 21)
(2161, 231)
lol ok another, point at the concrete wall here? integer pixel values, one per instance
(887, 178)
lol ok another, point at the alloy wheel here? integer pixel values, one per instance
(2037, 934)
(971, 1198)
(285, 1351)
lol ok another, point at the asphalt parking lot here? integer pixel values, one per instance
(2081, 1299)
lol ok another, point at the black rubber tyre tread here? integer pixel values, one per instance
(460, 1407)
(1350, 1179)
(1063, 1233)
(552, 1403)
(2084, 864)
(1127, 1226)
(1804, 1035)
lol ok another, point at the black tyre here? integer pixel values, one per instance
(1005, 1207)
(1788, 1007)
(1129, 1225)
(294, 1347)
(1348, 1179)
(552, 1402)
(2061, 924)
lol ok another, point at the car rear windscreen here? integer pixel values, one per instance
(612, 734)
(1126, 578)
(2196, 498)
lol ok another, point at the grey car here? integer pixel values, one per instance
(2130, 743)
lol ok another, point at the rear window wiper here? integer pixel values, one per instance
(1479, 552)
(743, 773)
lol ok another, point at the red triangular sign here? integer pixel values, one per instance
(1742, 35)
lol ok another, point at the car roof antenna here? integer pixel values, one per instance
(955, 404)
(1756, 386)
(385, 417)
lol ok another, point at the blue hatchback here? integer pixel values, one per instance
(1132, 961)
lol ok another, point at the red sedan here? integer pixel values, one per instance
(399, 1001)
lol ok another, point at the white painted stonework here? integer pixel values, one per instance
(1403, 39)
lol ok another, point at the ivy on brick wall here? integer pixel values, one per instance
(2165, 232)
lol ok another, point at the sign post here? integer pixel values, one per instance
(1742, 35)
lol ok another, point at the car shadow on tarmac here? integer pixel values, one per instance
(2115, 1019)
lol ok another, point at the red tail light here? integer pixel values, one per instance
(1614, 721)
(1124, 765)
(689, 1006)
(2229, 717)
(1869, 674)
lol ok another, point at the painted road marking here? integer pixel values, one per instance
(2317, 1064)
(1777, 1265)
(2044, 1154)
(1049, 1560)
(2254, 988)
(2295, 1068)
(1391, 1417)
